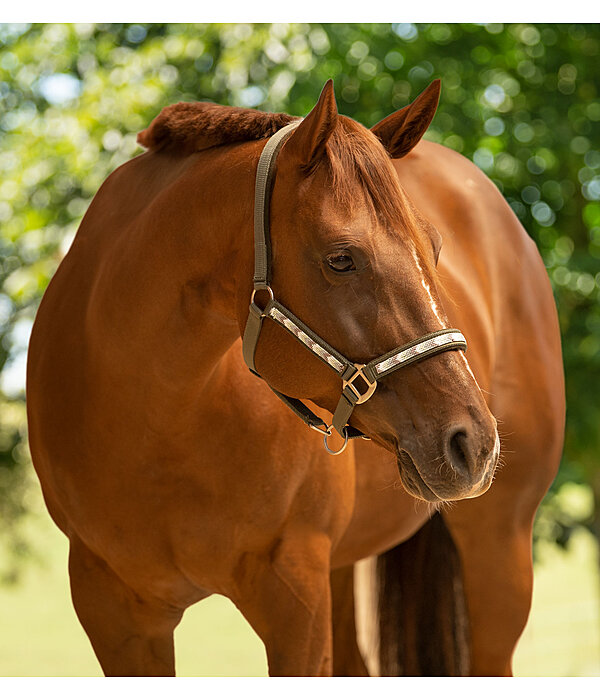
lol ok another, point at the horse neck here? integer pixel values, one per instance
(170, 283)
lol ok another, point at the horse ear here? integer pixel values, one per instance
(307, 142)
(402, 131)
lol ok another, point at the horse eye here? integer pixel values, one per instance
(341, 262)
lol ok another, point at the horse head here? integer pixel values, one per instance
(354, 259)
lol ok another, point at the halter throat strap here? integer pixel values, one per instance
(359, 381)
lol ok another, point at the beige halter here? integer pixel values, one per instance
(359, 381)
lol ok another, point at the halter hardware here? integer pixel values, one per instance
(343, 447)
(325, 432)
(254, 307)
(359, 381)
(361, 396)
(266, 288)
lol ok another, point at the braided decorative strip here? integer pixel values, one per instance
(311, 344)
(425, 347)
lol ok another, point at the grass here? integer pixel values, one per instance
(41, 636)
(562, 637)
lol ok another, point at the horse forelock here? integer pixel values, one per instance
(356, 158)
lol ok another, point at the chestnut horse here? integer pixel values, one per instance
(177, 473)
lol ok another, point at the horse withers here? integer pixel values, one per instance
(177, 473)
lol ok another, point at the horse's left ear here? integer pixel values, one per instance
(402, 131)
(307, 142)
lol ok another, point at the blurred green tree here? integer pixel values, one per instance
(522, 101)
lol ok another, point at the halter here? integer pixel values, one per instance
(359, 381)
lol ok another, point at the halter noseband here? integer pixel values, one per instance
(359, 381)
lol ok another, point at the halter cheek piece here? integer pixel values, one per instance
(359, 381)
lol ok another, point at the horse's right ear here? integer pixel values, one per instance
(402, 131)
(307, 142)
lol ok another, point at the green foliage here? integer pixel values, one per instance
(521, 100)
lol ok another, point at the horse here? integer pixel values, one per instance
(245, 239)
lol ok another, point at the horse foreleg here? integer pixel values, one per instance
(347, 659)
(495, 551)
(285, 596)
(130, 636)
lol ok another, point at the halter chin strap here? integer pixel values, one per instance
(359, 381)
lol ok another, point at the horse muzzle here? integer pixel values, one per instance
(463, 468)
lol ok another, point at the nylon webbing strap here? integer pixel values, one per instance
(262, 196)
(425, 346)
(331, 357)
(344, 410)
(251, 335)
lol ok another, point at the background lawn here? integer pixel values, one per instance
(40, 635)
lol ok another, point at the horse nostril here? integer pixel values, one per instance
(458, 451)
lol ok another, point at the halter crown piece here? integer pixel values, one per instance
(359, 381)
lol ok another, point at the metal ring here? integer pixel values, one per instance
(339, 452)
(266, 288)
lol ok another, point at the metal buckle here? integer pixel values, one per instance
(371, 386)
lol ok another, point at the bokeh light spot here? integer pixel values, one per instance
(494, 126)
(59, 88)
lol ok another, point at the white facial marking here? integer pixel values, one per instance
(469, 370)
(436, 311)
(427, 288)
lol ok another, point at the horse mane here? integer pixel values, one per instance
(195, 126)
(353, 153)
